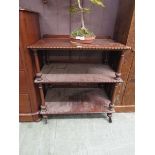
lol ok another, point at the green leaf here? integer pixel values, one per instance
(73, 9)
(97, 2)
(82, 32)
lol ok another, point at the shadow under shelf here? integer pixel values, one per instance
(77, 73)
(76, 101)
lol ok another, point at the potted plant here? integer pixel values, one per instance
(83, 34)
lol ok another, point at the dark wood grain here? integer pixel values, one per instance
(76, 101)
(29, 117)
(77, 73)
(23, 87)
(129, 93)
(68, 36)
(125, 108)
(125, 33)
(61, 43)
(29, 99)
(21, 65)
(74, 56)
(25, 104)
(123, 21)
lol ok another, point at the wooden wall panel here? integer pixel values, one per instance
(23, 87)
(128, 58)
(29, 99)
(21, 65)
(123, 22)
(29, 33)
(129, 93)
(125, 33)
(131, 34)
(25, 104)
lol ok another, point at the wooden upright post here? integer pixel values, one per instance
(118, 73)
(38, 76)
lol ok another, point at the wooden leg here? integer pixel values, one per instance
(111, 106)
(110, 117)
(38, 74)
(36, 58)
(38, 77)
(43, 112)
(118, 73)
(43, 106)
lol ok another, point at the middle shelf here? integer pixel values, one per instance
(77, 73)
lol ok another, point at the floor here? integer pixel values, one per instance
(81, 135)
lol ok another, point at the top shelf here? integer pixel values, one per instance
(64, 43)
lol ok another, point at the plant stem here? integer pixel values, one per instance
(82, 16)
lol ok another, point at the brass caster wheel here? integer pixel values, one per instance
(110, 120)
(110, 117)
(45, 119)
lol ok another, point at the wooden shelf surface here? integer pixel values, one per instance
(77, 73)
(64, 43)
(76, 101)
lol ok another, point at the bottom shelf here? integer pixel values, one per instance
(76, 101)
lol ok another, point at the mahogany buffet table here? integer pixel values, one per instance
(78, 88)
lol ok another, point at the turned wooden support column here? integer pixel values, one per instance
(38, 77)
(111, 106)
(42, 96)
(36, 58)
(118, 73)
(43, 106)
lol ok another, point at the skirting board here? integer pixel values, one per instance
(126, 108)
(35, 117)
(29, 117)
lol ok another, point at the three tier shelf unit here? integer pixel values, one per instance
(77, 88)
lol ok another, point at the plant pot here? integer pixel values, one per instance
(82, 40)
